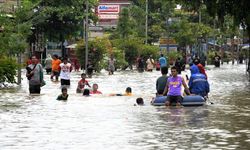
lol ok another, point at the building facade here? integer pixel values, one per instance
(108, 12)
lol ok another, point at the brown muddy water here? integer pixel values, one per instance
(104, 122)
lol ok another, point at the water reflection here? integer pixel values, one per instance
(41, 122)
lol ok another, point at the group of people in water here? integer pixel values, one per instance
(63, 70)
(170, 86)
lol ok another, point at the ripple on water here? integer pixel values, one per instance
(41, 122)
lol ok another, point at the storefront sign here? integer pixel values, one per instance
(167, 41)
(108, 16)
(114, 9)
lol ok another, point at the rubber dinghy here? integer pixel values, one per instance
(190, 100)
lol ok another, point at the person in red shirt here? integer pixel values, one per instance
(82, 83)
(202, 69)
(158, 66)
(95, 89)
(29, 61)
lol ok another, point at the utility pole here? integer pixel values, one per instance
(19, 60)
(86, 35)
(200, 14)
(146, 24)
(214, 32)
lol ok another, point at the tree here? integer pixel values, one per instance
(55, 20)
(97, 50)
(13, 40)
(125, 24)
(238, 9)
(187, 33)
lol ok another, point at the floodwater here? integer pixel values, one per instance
(112, 123)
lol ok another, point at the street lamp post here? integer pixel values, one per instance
(169, 22)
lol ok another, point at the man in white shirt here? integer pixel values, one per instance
(66, 69)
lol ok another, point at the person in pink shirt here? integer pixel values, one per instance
(95, 89)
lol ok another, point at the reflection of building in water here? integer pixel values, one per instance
(108, 12)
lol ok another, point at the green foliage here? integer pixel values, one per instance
(238, 10)
(138, 15)
(125, 24)
(155, 32)
(96, 49)
(118, 56)
(14, 34)
(187, 33)
(172, 56)
(147, 50)
(210, 57)
(184, 34)
(59, 20)
(8, 67)
(131, 49)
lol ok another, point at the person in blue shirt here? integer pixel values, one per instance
(163, 61)
(198, 83)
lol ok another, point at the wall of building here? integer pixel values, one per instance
(108, 12)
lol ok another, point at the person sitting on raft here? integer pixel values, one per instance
(162, 80)
(198, 83)
(95, 89)
(64, 96)
(128, 92)
(200, 67)
(82, 83)
(173, 88)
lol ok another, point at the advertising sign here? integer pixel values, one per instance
(109, 16)
(111, 9)
(167, 41)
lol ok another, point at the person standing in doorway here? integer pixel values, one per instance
(35, 76)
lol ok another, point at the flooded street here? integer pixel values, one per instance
(112, 122)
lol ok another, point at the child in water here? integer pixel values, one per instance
(139, 101)
(64, 96)
(86, 92)
(82, 83)
(95, 89)
(128, 92)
